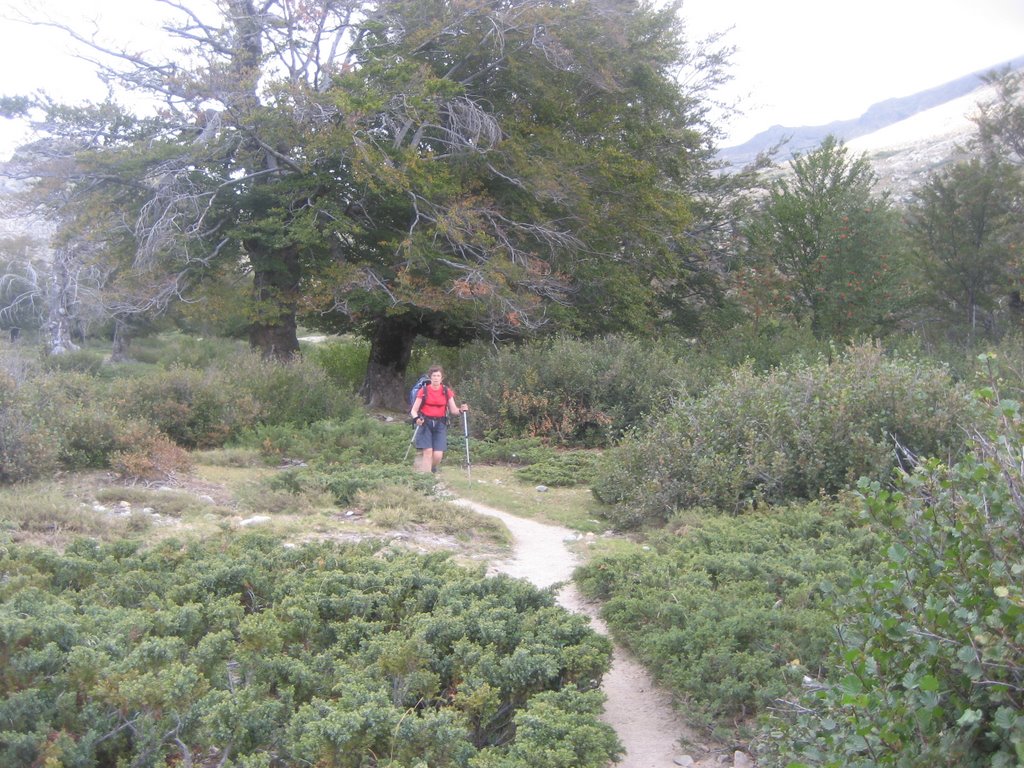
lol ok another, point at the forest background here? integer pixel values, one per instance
(795, 397)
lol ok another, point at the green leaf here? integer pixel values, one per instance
(969, 717)
(929, 683)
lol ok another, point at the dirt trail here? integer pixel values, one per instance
(640, 712)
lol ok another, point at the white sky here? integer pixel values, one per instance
(798, 62)
(809, 62)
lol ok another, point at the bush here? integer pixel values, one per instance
(193, 408)
(764, 345)
(930, 668)
(562, 469)
(168, 350)
(206, 409)
(788, 435)
(343, 482)
(343, 361)
(28, 448)
(512, 450)
(148, 454)
(358, 439)
(237, 648)
(730, 613)
(88, 361)
(296, 392)
(571, 392)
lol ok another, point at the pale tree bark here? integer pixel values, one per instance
(63, 304)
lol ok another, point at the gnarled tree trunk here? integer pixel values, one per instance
(390, 350)
(63, 304)
(276, 289)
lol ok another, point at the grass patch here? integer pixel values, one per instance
(498, 486)
(263, 499)
(230, 458)
(42, 513)
(401, 508)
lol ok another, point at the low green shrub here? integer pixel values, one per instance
(360, 438)
(571, 392)
(88, 361)
(562, 469)
(929, 667)
(510, 450)
(344, 481)
(731, 613)
(788, 435)
(238, 648)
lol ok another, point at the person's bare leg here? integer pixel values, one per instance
(436, 460)
(426, 461)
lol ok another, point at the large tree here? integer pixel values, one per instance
(829, 244)
(966, 229)
(417, 167)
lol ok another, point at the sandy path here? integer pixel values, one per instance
(640, 712)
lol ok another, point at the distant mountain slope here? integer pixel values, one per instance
(877, 118)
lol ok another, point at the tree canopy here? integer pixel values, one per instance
(826, 241)
(400, 169)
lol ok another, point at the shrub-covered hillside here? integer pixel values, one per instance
(246, 653)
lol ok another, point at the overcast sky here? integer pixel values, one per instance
(798, 62)
(809, 62)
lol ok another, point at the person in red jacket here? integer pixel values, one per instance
(430, 409)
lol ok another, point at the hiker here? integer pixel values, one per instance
(430, 408)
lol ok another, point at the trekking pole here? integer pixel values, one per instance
(465, 436)
(412, 442)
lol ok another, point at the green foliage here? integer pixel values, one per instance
(790, 434)
(188, 351)
(569, 391)
(763, 344)
(294, 392)
(731, 613)
(240, 649)
(966, 231)
(562, 469)
(344, 481)
(930, 665)
(344, 361)
(207, 408)
(52, 417)
(88, 361)
(556, 730)
(192, 407)
(360, 438)
(826, 248)
(511, 450)
(26, 448)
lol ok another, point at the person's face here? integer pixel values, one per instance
(436, 378)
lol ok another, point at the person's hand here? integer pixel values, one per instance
(464, 407)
